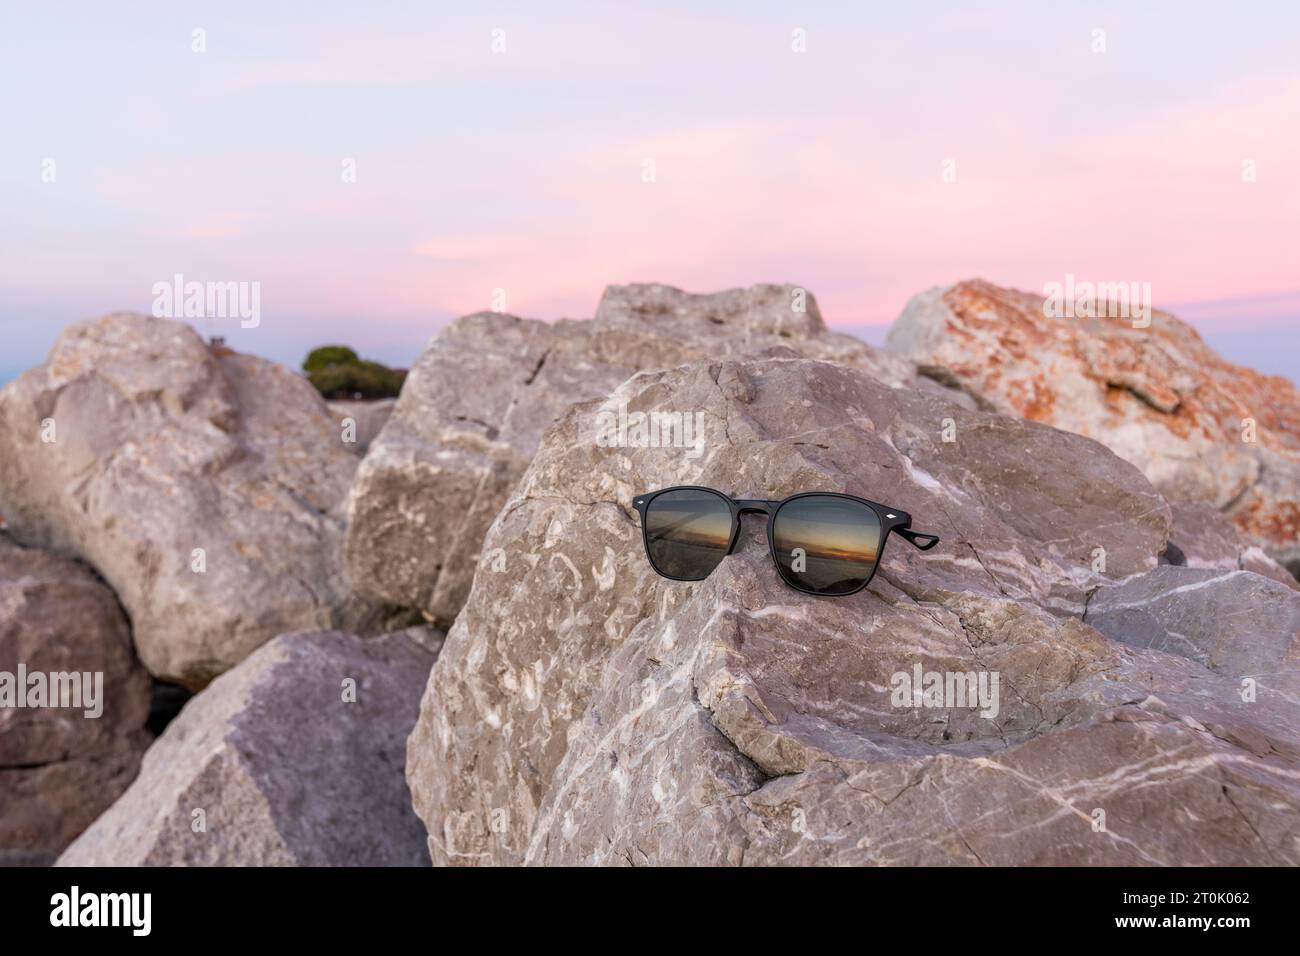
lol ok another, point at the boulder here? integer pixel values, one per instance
(206, 487)
(1233, 622)
(64, 760)
(360, 422)
(474, 406)
(294, 757)
(1203, 537)
(585, 710)
(1202, 429)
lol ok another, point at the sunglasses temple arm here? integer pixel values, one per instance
(917, 539)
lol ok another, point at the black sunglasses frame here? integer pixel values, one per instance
(893, 520)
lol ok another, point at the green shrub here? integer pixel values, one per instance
(328, 355)
(337, 372)
(358, 379)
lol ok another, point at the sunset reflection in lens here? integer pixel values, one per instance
(687, 533)
(838, 542)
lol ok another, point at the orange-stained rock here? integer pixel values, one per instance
(1157, 396)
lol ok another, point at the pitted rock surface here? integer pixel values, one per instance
(585, 710)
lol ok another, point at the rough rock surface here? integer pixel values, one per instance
(1158, 397)
(629, 718)
(368, 420)
(160, 447)
(1203, 537)
(1234, 622)
(283, 768)
(473, 409)
(59, 769)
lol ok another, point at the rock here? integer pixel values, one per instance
(59, 768)
(1234, 622)
(1200, 428)
(473, 409)
(207, 489)
(663, 327)
(585, 710)
(284, 770)
(1203, 537)
(367, 418)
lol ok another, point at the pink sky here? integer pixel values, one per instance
(523, 170)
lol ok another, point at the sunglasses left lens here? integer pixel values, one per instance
(687, 533)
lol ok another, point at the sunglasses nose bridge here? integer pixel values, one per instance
(749, 507)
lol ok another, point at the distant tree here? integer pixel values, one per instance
(337, 372)
(328, 355)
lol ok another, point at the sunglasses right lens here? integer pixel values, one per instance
(826, 544)
(687, 533)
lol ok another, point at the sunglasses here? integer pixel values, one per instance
(822, 542)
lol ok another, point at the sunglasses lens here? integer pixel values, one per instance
(687, 533)
(826, 544)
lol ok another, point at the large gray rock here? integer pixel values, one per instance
(272, 765)
(474, 406)
(585, 710)
(360, 422)
(61, 766)
(1203, 537)
(140, 451)
(1200, 428)
(1234, 622)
